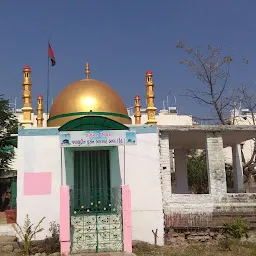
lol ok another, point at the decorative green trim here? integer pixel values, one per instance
(89, 123)
(139, 129)
(88, 114)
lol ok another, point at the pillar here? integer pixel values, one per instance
(181, 175)
(238, 169)
(150, 95)
(165, 167)
(137, 106)
(40, 111)
(27, 98)
(215, 164)
(64, 221)
(127, 218)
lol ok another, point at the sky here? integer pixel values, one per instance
(121, 40)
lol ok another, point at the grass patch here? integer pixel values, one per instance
(236, 249)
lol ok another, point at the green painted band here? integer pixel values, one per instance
(88, 114)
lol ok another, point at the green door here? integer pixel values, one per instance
(96, 208)
(14, 192)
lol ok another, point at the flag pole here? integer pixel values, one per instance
(48, 83)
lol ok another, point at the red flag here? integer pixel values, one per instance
(51, 55)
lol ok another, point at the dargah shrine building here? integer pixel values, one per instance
(106, 177)
(79, 169)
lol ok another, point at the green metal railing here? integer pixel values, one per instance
(96, 220)
(95, 200)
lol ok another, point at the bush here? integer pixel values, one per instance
(27, 233)
(235, 230)
(53, 243)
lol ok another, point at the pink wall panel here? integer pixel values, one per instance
(37, 183)
(127, 218)
(64, 220)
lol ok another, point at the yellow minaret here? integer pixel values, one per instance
(150, 95)
(40, 111)
(87, 70)
(27, 107)
(137, 114)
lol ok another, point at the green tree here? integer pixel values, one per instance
(197, 172)
(8, 126)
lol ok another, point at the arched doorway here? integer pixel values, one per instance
(95, 196)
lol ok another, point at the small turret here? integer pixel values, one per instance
(150, 95)
(40, 111)
(27, 96)
(137, 106)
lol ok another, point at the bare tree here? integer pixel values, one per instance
(213, 71)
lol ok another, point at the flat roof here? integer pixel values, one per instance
(194, 137)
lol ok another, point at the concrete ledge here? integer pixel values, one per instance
(207, 128)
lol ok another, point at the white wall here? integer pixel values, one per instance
(167, 119)
(142, 174)
(19, 116)
(139, 168)
(39, 154)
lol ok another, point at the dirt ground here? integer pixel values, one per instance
(236, 249)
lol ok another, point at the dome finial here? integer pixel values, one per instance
(87, 70)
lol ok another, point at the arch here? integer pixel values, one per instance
(89, 123)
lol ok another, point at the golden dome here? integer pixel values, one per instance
(87, 97)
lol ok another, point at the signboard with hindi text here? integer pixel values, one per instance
(97, 138)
